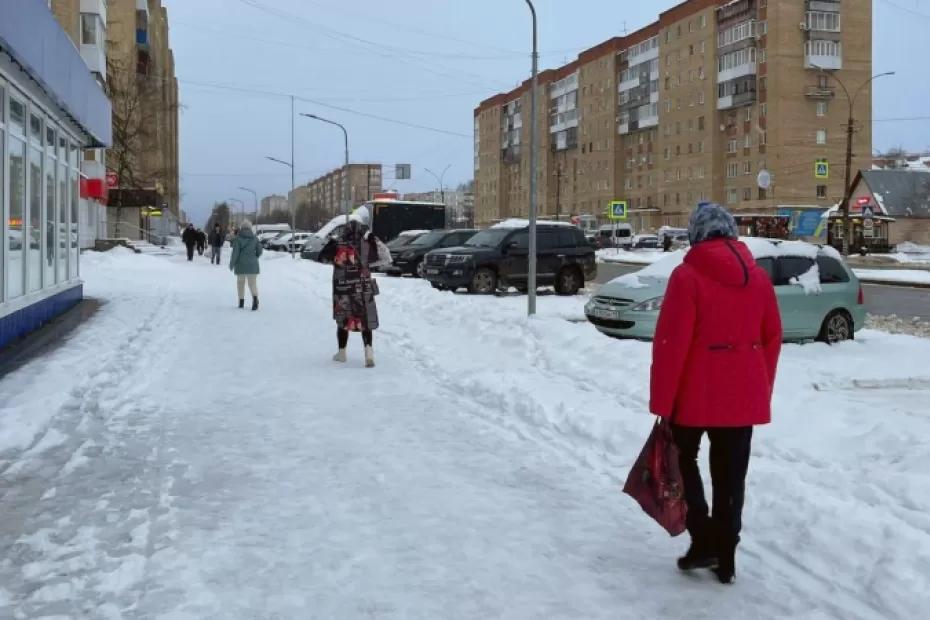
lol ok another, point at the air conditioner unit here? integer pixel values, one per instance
(803, 26)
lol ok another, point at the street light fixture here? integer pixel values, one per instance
(442, 188)
(531, 275)
(241, 208)
(292, 208)
(345, 189)
(254, 201)
(850, 129)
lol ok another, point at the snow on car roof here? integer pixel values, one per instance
(521, 223)
(412, 233)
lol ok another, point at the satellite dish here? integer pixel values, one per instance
(764, 179)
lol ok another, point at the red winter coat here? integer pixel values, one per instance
(717, 340)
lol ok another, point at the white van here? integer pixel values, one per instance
(615, 236)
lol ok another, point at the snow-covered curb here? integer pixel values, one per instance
(909, 277)
(641, 257)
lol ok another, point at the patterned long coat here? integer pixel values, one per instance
(354, 290)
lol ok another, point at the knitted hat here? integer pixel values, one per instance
(710, 221)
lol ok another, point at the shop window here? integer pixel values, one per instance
(821, 191)
(16, 236)
(34, 219)
(51, 216)
(61, 227)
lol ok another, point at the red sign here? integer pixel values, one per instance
(112, 180)
(385, 196)
(93, 189)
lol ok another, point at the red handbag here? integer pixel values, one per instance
(655, 481)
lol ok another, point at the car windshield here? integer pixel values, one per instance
(402, 241)
(430, 238)
(488, 238)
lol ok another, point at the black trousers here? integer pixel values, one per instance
(190, 251)
(729, 462)
(342, 336)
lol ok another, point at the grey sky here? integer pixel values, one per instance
(427, 62)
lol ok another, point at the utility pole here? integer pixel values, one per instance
(293, 188)
(442, 189)
(850, 129)
(531, 275)
(345, 189)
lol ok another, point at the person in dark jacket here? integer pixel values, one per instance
(201, 242)
(189, 237)
(217, 239)
(715, 354)
(244, 263)
(354, 290)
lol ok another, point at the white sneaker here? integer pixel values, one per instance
(369, 357)
(340, 356)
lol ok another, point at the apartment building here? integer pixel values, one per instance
(126, 42)
(270, 204)
(690, 107)
(328, 190)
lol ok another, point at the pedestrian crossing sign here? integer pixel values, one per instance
(617, 210)
(821, 170)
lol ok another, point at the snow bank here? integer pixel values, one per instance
(641, 257)
(895, 276)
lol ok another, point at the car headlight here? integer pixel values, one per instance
(650, 305)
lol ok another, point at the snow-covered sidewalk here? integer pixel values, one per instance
(907, 277)
(180, 458)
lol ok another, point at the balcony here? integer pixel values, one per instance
(738, 71)
(821, 54)
(737, 100)
(142, 6)
(95, 57)
(95, 7)
(820, 92)
(629, 84)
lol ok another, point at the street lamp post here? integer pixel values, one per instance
(442, 188)
(254, 201)
(345, 189)
(531, 275)
(850, 129)
(293, 209)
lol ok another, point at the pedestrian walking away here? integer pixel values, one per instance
(354, 290)
(201, 242)
(715, 354)
(189, 237)
(244, 263)
(217, 239)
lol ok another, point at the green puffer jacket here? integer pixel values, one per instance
(245, 252)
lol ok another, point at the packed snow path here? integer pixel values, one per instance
(181, 458)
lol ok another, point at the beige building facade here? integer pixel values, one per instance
(691, 107)
(327, 191)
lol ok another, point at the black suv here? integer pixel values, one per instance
(409, 258)
(498, 258)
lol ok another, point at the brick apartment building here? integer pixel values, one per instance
(270, 204)
(125, 45)
(690, 107)
(327, 190)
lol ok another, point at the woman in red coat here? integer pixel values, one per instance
(714, 358)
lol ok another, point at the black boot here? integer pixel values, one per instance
(701, 554)
(242, 303)
(726, 567)
(254, 304)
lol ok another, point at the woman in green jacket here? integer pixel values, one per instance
(244, 262)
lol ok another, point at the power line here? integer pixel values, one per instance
(906, 9)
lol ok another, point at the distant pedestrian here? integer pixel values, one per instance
(714, 358)
(666, 242)
(201, 242)
(354, 290)
(189, 237)
(244, 263)
(232, 235)
(217, 239)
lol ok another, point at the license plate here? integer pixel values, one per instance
(603, 313)
(432, 272)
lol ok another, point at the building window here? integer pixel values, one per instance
(732, 170)
(701, 98)
(822, 108)
(747, 167)
(762, 193)
(701, 146)
(762, 138)
(821, 136)
(701, 122)
(763, 109)
(821, 191)
(731, 146)
(703, 23)
(748, 114)
(88, 29)
(732, 196)
(668, 153)
(747, 141)
(747, 193)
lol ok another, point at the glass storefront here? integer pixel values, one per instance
(39, 197)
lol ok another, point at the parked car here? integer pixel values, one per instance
(498, 258)
(819, 296)
(295, 242)
(615, 236)
(399, 244)
(278, 243)
(408, 259)
(267, 237)
(645, 242)
(679, 237)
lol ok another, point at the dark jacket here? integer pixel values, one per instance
(717, 340)
(189, 236)
(217, 238)
(354, 290)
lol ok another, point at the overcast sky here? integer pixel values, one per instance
(425, 62)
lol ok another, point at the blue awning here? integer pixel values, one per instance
(32, 37)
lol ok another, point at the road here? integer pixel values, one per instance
(880, 299)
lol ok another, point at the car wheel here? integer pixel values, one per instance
(568, 281)
(418, 269)
(837, 327)
(484, 282)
